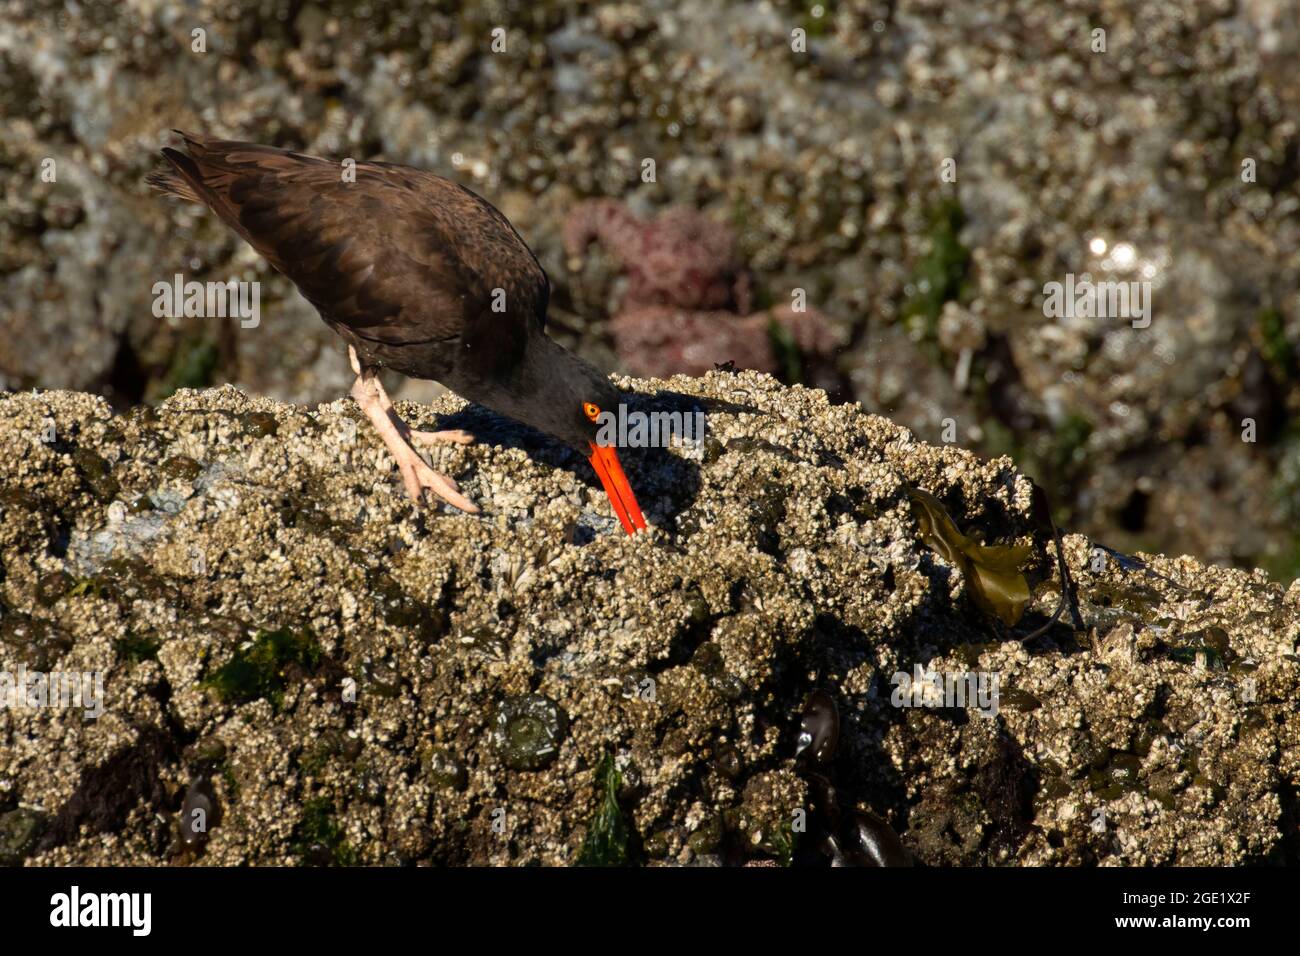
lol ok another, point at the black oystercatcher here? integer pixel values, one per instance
(417, 274)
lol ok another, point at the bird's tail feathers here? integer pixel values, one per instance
(181, 179)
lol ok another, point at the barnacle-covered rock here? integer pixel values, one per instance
(362, 681)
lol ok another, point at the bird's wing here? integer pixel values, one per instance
(397, 256)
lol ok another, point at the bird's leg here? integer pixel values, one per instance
(453, 436)
(416, 475)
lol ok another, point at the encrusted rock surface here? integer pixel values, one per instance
(180, 551)
(1124, 165)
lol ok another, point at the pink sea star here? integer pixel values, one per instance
(688, 299)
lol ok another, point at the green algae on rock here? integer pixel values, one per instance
(318, 839)
(607, 842)
(258, 671)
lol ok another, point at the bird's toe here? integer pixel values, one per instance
(454, 436)
(419, 478)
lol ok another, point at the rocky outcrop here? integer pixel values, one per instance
(298, 665)
(1170, 159)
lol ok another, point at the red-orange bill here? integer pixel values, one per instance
(604, 459)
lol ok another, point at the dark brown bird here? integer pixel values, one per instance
(417, 274)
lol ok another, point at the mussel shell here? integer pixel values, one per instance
(199, 797)
(875, 841)
(819, 729)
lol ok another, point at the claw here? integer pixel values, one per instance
(419, 478)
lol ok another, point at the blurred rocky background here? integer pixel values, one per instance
(774, 171)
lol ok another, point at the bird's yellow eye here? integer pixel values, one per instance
(591, 411)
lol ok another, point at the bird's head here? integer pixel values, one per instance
(598, 414)
(574, 402)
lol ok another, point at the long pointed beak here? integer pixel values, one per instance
(604, 459)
